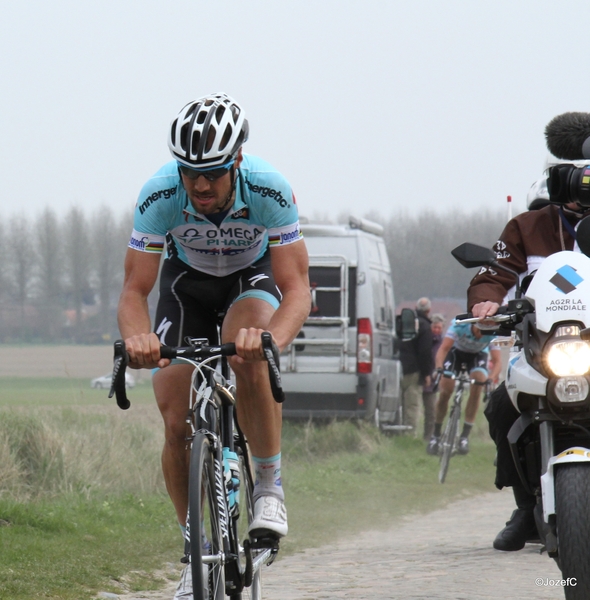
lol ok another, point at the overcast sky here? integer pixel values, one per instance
(363, 105)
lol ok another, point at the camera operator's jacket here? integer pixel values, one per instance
(523, 245)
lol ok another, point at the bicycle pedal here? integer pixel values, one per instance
(264, 541)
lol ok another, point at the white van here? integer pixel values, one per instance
(344, 362)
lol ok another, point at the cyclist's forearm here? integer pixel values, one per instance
(133, 315)
(287, 321)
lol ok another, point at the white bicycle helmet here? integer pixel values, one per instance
(208, 132)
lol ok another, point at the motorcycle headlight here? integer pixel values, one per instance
(570, 357)
(570, 390)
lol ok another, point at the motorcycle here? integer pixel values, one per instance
(548, 381)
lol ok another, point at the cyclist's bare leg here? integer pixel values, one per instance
(260, 417)
(474, 396)
(446, 387)
(171, 388)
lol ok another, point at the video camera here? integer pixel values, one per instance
(568, 139)
(569, 183)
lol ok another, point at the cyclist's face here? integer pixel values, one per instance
(208, 197)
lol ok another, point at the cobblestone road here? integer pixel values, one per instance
(445, 555)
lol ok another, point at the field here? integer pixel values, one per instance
(83, 505)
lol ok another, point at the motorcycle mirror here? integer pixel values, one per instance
(472, 255)
(583, 236)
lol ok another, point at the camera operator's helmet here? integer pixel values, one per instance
(538, 195)
(208, 132)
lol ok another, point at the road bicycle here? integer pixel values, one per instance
(225, 560)
(449, 440)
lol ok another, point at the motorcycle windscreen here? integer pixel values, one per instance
(560, 290)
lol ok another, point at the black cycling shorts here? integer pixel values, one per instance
(193, 304)
(473, 361)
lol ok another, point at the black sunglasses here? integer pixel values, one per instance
(209, 175)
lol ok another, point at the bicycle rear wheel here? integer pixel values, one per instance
(447, 442)
(205, 525)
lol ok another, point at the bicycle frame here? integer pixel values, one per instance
(448, 441)
(211, 413)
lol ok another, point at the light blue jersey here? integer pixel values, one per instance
(264, 214)
(465, 341)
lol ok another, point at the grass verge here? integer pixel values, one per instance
(83, 507)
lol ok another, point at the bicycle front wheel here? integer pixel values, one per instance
(205, 525)
(447, 442)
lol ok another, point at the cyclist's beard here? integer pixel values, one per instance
(231, 191)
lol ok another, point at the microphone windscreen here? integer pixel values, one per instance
(566, 135)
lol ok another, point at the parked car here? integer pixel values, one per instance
(104, 382)
(345, 362)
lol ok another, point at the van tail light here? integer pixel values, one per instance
(364, 346)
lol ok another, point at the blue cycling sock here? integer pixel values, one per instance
(267, 473)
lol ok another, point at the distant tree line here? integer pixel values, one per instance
(419, 249)
(60, 278)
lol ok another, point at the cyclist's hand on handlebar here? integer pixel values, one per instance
(144, 351)
(249, 345)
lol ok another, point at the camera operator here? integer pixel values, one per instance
(525, 242)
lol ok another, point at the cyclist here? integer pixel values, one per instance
(467, 344)
(234, 248)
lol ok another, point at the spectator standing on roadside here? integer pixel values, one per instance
(417, 365)
(428, 394)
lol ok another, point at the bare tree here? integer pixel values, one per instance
(77, 261)
(20, 259)
(4, 281)
(109, 240)
(49, 257)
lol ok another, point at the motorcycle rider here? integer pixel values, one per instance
(525, 242)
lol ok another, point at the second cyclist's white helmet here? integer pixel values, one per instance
(208, 132)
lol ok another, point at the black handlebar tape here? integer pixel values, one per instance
(228, 349)
(167, 352)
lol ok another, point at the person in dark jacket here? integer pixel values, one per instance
(526, 241)
(417, 365)
(437, 326)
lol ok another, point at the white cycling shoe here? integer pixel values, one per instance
(270, 517)
(184, 589)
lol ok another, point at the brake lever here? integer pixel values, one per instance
(271, 353)
(120, 362)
